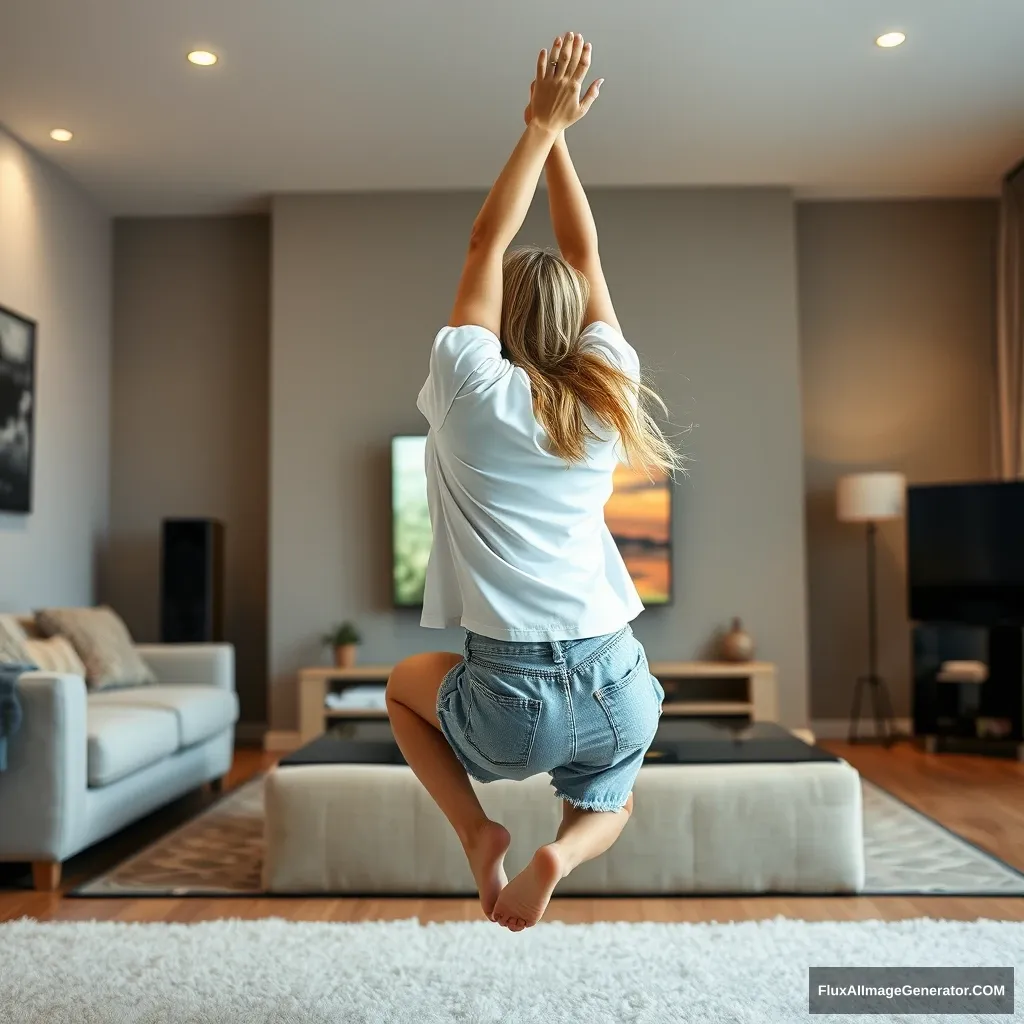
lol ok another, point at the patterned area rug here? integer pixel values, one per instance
(220, 853)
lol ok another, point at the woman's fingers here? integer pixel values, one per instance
(583, 66)
(542, 65)
(572, 51)
(555, 61)
(592, 93)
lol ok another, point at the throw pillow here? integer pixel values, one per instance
(28, 624)
(12, 642)
(55, 655)
(102, 641)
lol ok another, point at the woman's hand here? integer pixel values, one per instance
(555, 101)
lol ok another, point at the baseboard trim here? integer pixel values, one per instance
(250, 734)
(839, 728)
(281, 741)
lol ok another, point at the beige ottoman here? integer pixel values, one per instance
(733, 828)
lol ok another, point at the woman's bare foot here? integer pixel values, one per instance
(523, 901)
(485, 850)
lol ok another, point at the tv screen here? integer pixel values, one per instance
(965, 547)
(639, 515)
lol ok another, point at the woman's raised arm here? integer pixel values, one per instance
(571, 217)
(556, 104)
(576, 232)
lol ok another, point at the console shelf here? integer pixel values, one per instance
(756, 679)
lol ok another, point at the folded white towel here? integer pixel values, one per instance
(963, 672)
(363, 698)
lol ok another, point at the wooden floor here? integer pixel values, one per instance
(980, 798)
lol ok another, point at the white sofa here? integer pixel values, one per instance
(85, 764)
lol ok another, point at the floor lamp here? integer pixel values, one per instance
(871, 498)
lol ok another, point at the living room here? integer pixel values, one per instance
(223, 257)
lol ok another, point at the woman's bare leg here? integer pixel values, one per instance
(582, 836)
(412, 708)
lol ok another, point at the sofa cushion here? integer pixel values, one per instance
(122, 740)
(31, 627)
(103, 643)
(55, 655)
(201, 711)
(12, 641)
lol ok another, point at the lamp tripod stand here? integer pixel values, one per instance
(878, 691)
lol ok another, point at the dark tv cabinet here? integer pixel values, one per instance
(985, 717)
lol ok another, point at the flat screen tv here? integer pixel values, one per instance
(639, 515)
(965, 547)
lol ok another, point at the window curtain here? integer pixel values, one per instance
(1010, 329)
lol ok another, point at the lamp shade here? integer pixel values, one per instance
(870, 497)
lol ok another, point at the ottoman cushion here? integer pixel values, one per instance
(729, 828)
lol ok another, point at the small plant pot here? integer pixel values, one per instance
(345, 656)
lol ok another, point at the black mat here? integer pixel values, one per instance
(677, 742)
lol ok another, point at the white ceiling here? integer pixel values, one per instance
(324, 95)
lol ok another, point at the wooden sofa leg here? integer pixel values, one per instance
(217, 784)
(46, 875)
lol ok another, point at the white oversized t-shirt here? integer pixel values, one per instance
(521, 550)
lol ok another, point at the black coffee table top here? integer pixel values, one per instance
(687, 741)
(691, 741)
(328, 749)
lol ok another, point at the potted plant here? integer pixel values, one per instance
(343, 640)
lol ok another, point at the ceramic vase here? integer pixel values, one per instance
(737, 644)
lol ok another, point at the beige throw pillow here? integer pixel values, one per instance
(102, 641)
(55, 655)
(12, 642)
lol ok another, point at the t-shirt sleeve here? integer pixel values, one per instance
(461, 358)
(603, 338)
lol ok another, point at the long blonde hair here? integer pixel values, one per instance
(543, 305)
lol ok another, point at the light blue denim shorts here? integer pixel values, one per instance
(585, 711)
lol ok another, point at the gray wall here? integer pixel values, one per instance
(705, 286)
(190, 405)
(896, 309)
(55, 269)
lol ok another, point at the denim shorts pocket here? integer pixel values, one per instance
(633, 707)
(501, 727)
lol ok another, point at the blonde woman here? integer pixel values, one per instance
(532, 398)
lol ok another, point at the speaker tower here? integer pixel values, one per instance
(192, 581)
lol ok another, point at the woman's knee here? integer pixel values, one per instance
(399, 678)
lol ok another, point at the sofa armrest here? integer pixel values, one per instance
(42, 791)
(197, 664)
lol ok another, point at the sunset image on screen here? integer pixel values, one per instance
(639, 517)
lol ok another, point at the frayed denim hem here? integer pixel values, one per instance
(592, 805)
(472, 772)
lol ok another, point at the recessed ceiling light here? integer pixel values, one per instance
(61, 135)
(204, 58)
(890, 39)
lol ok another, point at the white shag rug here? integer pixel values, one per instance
(251, 972)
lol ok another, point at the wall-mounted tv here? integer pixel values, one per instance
(639, 515)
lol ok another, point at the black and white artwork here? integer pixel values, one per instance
(17, 410)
